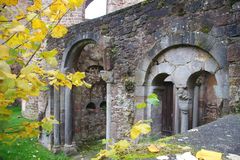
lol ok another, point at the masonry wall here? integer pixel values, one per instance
(134, 31)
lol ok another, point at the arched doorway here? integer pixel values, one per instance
(177, 68)
(88, 116)
(82, 55)
(163, 115)
(205, 104)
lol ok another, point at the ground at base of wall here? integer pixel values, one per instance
(221, 136)
(89, 150)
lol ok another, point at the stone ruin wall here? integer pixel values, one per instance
(136, 29)
(31, 108)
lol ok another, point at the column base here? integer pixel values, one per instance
(56, 149)
(70, 149)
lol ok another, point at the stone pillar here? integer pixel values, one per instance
(69, 147)
(107, 76)
(149, 106)
(195, 106)
(56, 133)
(183, 101)
(196, 95)
(176, 110)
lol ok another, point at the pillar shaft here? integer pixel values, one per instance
(108, 122)
(195, 106)
(184, 121)
(56, 133)
(68, 117)
(183, 103)
(176, 111)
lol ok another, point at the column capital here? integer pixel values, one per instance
(107, 76)
(200, 80)
(184, 97)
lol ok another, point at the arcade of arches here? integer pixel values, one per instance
(193, 70)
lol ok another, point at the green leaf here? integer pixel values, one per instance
(13, 52)
(6, 84)
(105, 141)
(153, 99)
(44, 88)
(35, 45)
(141, 105)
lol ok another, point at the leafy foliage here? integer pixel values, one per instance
(22, 36)
(121, 149)
(28, 148)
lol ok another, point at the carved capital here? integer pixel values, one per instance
(200, 80)
(183, 94)
(107, 76)
(184, 98)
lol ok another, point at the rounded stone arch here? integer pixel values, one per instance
(215, 47)
(74, 47)
(69, 60)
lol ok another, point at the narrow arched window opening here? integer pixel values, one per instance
(91, 106)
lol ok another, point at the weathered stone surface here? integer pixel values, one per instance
(234, 52)
(221, 135)
(140, 36)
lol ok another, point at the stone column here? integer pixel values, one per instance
(56, 130)
(195, 106)
(183, 101)
(149, 106)
(69, 147)
(107, 76)
(176, 110)
(196, 92)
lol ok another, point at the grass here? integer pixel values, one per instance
(25, 149)
(90, 149)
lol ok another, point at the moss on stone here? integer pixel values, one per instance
(205, 29)
(104, 29)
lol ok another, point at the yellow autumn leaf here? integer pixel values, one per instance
(23, 84)
(208, 155)
(121, 145)
(77, 78)
(139, 128)
(4, 52)
(4, 67)
(37, 6)
(59, 31)
(9, 2)
(87, 84)
(20, 15)
(57, 9)
(38, 24)
(152, 148)
(3, 18)
(52, 61)
(49, 54)
(38, 36)
(73, 4)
